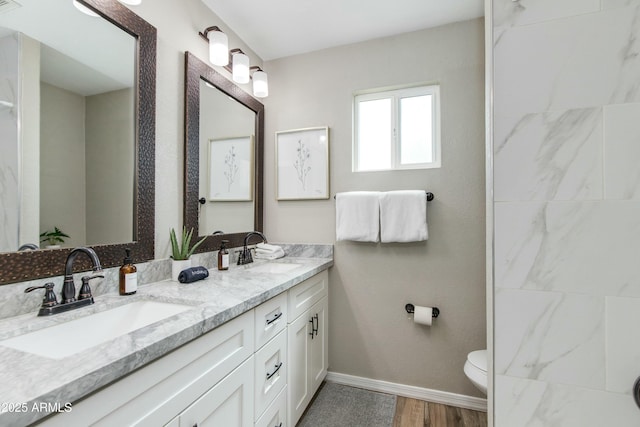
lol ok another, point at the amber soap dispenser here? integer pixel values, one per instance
(223, 256)
(128, 276)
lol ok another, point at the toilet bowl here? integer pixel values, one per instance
(475, 369)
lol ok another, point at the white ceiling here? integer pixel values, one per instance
(280, 28)
(86, 55)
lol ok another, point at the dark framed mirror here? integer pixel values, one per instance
(224, 134)
(139, 189)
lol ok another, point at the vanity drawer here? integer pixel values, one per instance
(276, 413)
(304, 295)
(271, 318)
(271, 372)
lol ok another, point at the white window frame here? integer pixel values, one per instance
(396, 139)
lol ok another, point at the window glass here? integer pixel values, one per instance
(397, 129)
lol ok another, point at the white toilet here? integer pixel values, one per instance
(476, 369)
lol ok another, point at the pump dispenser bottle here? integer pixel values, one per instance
(223, 256)
(128, 276)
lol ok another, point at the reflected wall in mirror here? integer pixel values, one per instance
(224, 134)
(226, 162)
(77, 120)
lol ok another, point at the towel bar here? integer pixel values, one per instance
(429, 195)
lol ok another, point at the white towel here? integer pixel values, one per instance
(403, 216)
(358, 216)
(266, 251)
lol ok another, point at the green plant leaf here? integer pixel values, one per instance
(181, 250)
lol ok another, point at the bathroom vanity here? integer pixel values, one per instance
(247, 347)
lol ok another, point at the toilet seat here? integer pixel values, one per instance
(475, 368)
(478, 359)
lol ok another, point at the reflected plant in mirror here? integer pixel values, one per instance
(78, 149)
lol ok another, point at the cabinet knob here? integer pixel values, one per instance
(636, 391)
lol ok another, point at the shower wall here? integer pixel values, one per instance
(9, 166)
(567, 211)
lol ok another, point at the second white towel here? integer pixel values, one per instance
(403, 216)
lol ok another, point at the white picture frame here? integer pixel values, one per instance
(302, 164)
(231, 169)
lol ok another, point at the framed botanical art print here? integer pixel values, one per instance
(302, 164)
(231, 169)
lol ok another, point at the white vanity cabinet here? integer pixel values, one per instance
(154, 394)
(260, 369)
(307, 343)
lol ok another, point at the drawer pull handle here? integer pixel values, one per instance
(278, 366)
(315, 324)
(313, 327)
(276, 317)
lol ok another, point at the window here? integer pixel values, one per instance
(397, 129)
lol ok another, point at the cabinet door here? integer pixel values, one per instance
(319, 352)
(229, 403)
(298, 348)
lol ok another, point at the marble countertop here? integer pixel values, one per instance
(29, 379)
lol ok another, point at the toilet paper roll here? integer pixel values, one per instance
(423, 315)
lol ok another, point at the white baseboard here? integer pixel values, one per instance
(437, 396)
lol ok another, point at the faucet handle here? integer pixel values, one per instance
(85, 290)
(49, 299)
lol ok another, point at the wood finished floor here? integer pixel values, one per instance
(418, 413)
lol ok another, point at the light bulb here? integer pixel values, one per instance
(260, 84)
(240, 68)
(218, 48)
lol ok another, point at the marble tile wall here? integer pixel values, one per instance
(567, 211)
(9, 166)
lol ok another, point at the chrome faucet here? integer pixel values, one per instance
(68, 299)
(244, 257)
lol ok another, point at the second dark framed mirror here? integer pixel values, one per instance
(224, 135)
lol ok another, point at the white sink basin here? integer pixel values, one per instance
(274, 267)
(72, 337)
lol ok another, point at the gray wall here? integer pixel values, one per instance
(110, 162)
(370, 333)
(62, 163)
(567, 212)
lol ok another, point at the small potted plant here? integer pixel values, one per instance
(53, 238)
(181, 252)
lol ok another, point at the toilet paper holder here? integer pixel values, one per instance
(412, 308)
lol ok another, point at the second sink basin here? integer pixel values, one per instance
(66, 339)
(274, 267)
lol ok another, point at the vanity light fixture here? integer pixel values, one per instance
(235, 61)
(260, 82)
(240, 66)
(84, 9)
(218, 45)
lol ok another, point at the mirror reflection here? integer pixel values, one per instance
(227, 138)
(67, 127)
